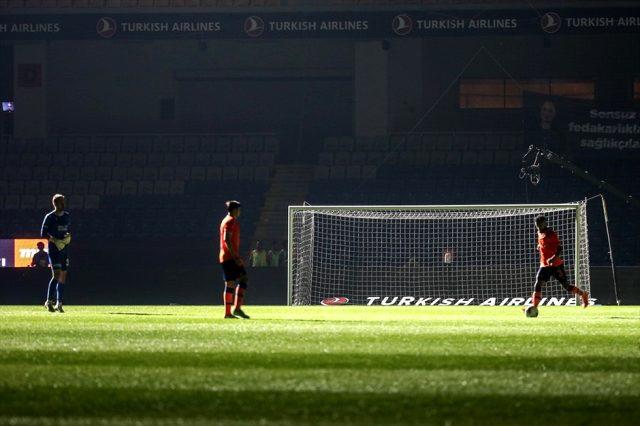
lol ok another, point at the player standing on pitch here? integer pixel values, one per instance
(55, 227)
(232, 264)
(552, 264)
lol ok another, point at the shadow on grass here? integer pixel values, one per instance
(341, 360)
(304, 407)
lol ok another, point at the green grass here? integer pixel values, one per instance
(149, 365)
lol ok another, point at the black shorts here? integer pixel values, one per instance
(59, 259)
(231, 271)
(546, 272)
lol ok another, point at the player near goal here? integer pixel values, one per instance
(231, 262)
(552, 264)
(55, 228)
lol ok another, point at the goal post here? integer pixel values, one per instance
(376, 254)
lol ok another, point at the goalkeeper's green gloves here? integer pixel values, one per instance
(61, 243)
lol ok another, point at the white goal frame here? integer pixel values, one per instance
(580, 250)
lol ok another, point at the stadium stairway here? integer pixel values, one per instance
(289, 185)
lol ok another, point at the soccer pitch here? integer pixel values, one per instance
(170, 365)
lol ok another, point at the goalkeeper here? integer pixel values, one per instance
(55, 227)
(552, 264)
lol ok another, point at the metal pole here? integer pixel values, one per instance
(613, 266)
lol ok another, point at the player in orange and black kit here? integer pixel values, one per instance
(551, 263)
(232, 264)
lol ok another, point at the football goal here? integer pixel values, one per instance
(365, 254)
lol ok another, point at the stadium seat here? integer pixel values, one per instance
(156, 159)
(336, 172)
(24, 173)
(60, 160)
(145, 187)
(470, 158)
(92, 159)
(239, 143)
(251, 159)
(124, 159)
(91, 202)
(342, 158)
(103, 173)
(176, 144)
(16, 187)
(66, 145)
(325, 158)
(202, 159)
(234, 159)
(76, 159)
(271, 144)
(28, 202)
(261, 173)
(198, 173)
(245, 173)
(229, 173)
(81, 187)
(321, 172)
(135, 173)
(187, 159)
(161, 187)
(44, 160)
(88, 173)
(113, 188)
(149, 173)
(31, 187)
(182, 173)
(12, 202)
(119, 173)
(48, 187)
(166, 173)
(40, 173)
(72, 173)
(176, 187)
(161, 145)
(129, 188)
(113, 144)
(331, 144)
(208, 144)
(214, 173)
(354, 172)
(28, 159)
(223, 144)
(256, 143)
(64, 187)
(192, 144)
(96, 187)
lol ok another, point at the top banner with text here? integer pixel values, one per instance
(365, 24)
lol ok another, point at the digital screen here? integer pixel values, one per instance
(18, 253)
(7, 106)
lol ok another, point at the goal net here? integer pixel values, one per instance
(373, 254)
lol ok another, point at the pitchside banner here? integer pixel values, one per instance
(450, 301)
(578, 130)
(18, 253)
(350, 25)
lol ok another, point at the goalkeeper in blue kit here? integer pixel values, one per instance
(56, 228)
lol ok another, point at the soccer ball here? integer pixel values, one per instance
(531, 311)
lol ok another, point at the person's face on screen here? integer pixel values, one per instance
(547, 112)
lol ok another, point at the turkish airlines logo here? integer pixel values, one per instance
(254, 26)
(550, 22)
(333, 301)
(402, 24)
(106, 27)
